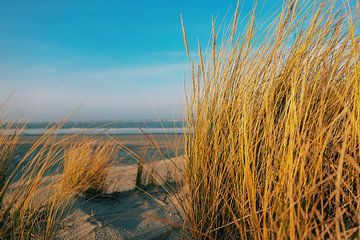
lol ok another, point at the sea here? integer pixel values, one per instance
(133, 127)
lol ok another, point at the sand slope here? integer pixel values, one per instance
(125, 212)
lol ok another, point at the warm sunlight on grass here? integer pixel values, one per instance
(86, 162)
(272, 145)
(274, 130)
(28, 209)
(35, 194)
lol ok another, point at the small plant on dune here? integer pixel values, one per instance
(86, 162)
(272, 150)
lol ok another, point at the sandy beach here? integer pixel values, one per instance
(124, 210)
(161, 119)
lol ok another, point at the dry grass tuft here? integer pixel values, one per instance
(35, 194)
(26, 210)
(274, 130)
(86, 162)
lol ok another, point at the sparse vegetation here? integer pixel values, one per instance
(272, 150)
(35, 193)
(8, 142)
(29, 210)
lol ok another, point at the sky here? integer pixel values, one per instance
(114, 60)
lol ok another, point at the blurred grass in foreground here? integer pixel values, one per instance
(52, 173)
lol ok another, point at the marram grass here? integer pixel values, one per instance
(32, 203)
(273, 147)
(26, 212)
(86, 162)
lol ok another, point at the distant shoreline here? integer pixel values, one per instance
(97, 124)
(98, 131)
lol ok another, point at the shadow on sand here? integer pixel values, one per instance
(135, 214)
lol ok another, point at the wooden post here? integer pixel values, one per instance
(140, 168)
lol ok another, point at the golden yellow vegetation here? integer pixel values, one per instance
(36, 192)
(86, 162)
(273, 147)
(27, 212)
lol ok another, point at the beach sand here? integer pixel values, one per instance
(124, 211)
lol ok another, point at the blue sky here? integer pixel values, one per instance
(117, 59)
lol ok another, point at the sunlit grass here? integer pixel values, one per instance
(272, 150)
(86, 162)
(27, 211)
(37, 191)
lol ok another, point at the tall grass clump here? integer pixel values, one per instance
(273, 147)
(86, 163)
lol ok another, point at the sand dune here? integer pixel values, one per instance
(125, 212)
